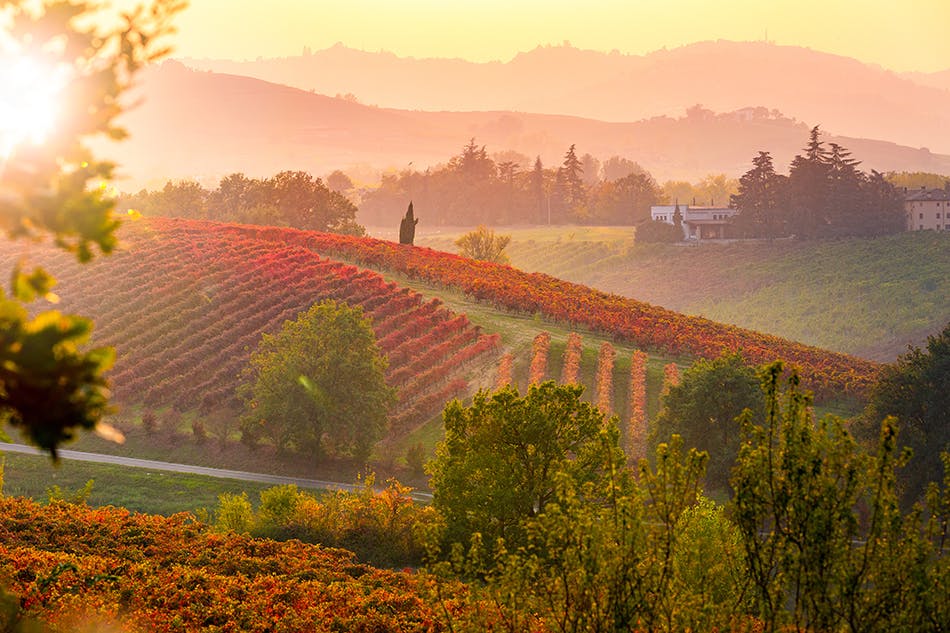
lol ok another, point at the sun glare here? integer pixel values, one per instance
(29, 102)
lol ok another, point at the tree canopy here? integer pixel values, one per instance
(824, 195)
(703, 409)
(501, 457)
(290, 198)
(318, 385)
(475, 188)
(916, 389)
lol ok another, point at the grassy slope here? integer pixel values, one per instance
(870, 297)
(138, 489)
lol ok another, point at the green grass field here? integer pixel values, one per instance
(138, 489)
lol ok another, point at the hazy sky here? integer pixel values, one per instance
(896, 34)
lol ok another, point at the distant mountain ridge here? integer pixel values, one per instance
(205, 125)
(843, 94)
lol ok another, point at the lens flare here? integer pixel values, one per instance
(29, 102)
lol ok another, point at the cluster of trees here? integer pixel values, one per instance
(290, 198)
(705, 407)
(824, 195)
(541, 512)
(474, 188)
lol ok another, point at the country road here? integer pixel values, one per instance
(190, 469)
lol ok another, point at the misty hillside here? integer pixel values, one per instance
(195, 124)
(841, 93)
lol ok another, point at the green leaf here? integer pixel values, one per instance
(27, 287)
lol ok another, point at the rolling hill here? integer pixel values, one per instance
(845, 95)
(205, 125)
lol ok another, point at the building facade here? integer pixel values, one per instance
(927, 209)
(699, 223)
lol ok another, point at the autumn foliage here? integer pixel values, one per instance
(72, 565)
(637, 430)
(539, 358)
(572, 359)
(605, 377)
(504, 371)
(671, 376)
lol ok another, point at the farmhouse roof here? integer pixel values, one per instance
(924, 194)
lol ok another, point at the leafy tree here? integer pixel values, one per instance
(716, 189)
(626, 200)
(318, 384)
(49, 386)
(883, 212)
(619, 556)
(917, 179)
(826, 546)
(483, 244)
(703, 409)
(590, 168)
(339, 182)
(616, 167)
(500, 459)
(292, 198)
(916, 389)
(656, 231)
(306, 203)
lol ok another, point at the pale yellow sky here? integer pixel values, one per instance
(900, 35)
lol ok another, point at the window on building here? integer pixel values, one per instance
(921, 216)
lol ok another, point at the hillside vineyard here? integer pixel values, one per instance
(185, 304)
(827, 374)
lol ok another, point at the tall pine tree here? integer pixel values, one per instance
(761, 200)
(808, 185)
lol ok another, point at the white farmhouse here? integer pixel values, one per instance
(699, 223)
(927, 209)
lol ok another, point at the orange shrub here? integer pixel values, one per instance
(504, 371)
(539, 358)
(572, 359)
(605, 377)
(637, 431)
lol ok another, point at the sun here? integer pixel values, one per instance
(29, 101)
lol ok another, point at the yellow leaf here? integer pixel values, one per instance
(108, 432)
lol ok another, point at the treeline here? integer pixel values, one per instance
(290, 198)
(823, 195)
(473, 188)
